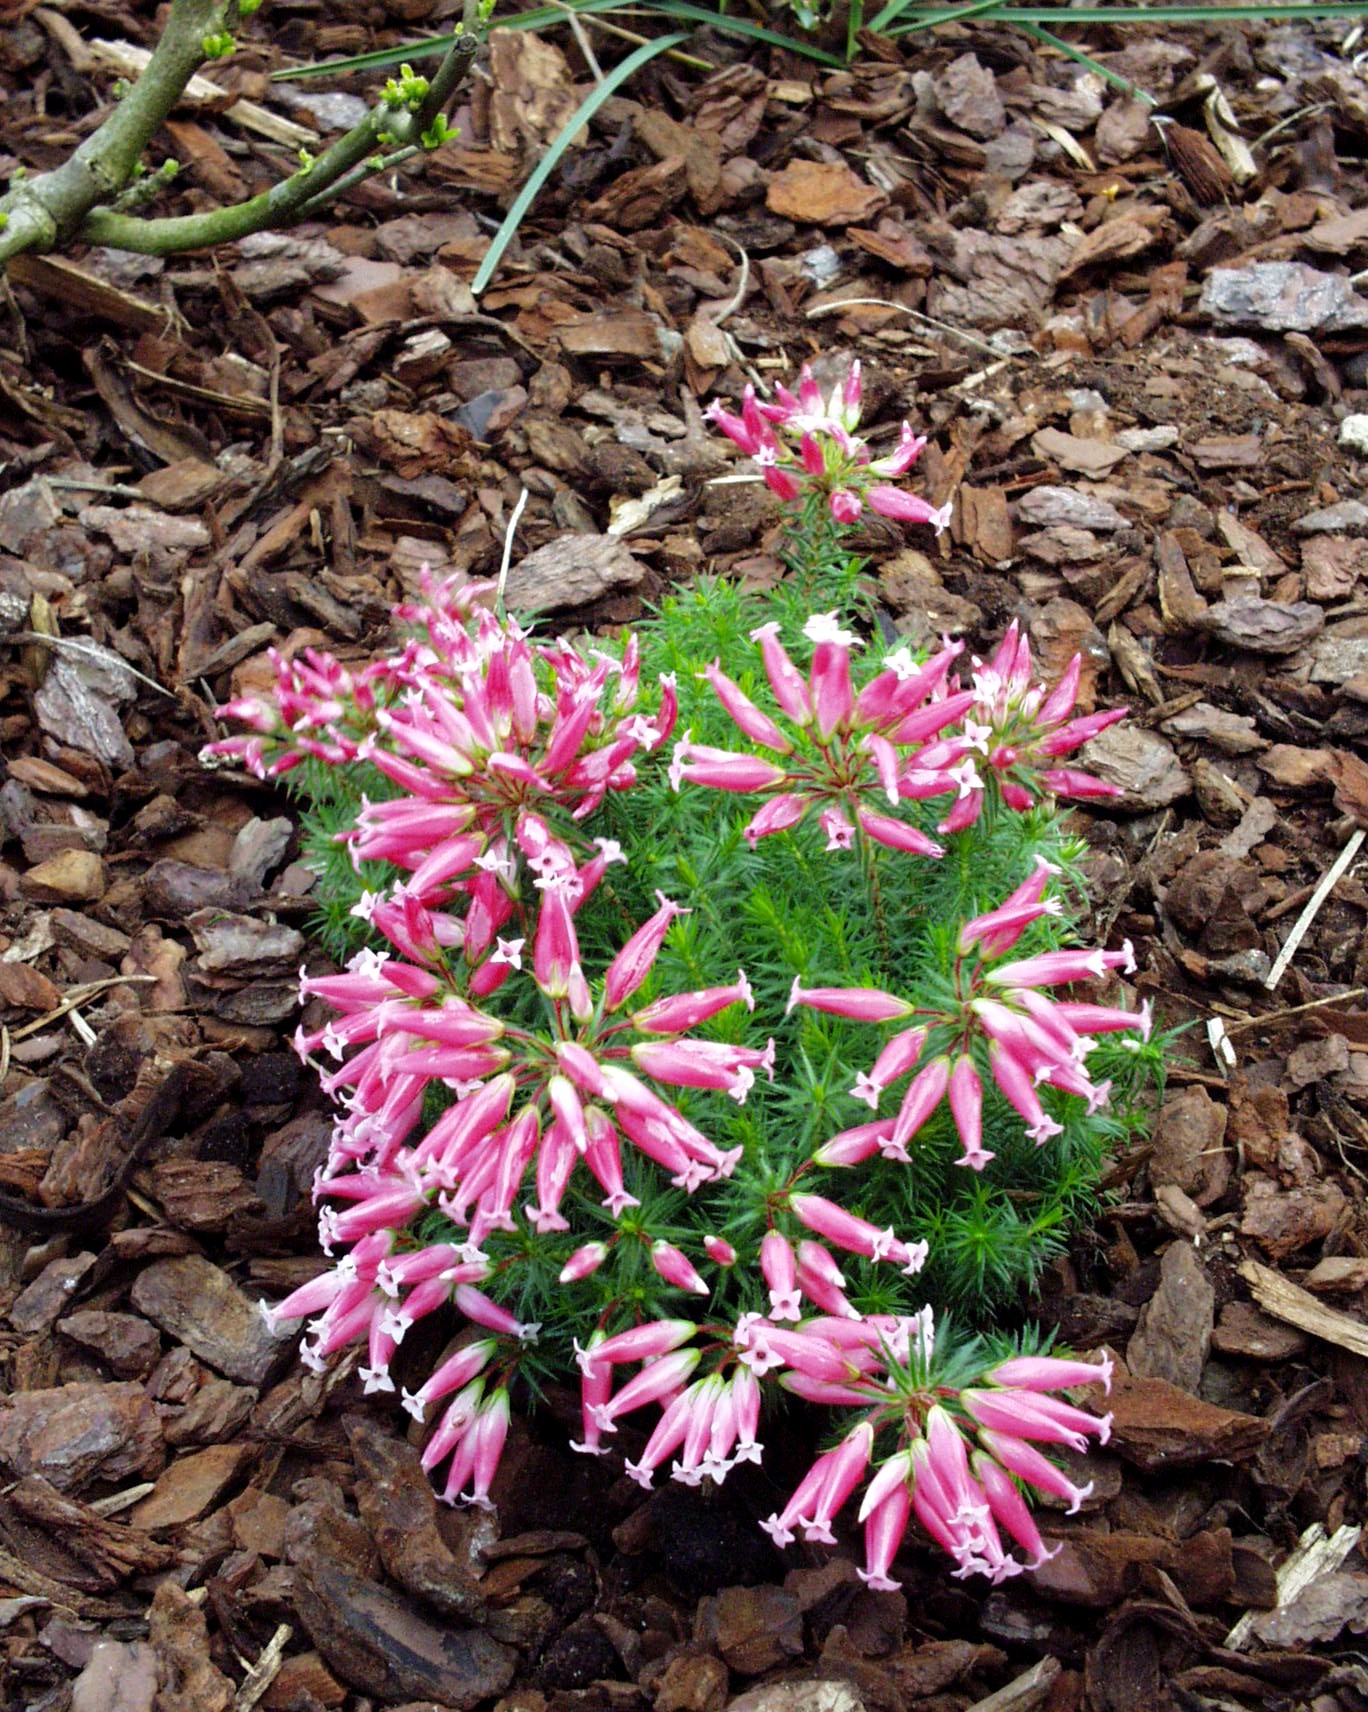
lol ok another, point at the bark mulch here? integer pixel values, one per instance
(1141, 356)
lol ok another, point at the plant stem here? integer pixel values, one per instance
(47, 210)
(70, 202)
(869, 862)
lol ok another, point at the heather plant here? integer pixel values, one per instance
(711, 1025)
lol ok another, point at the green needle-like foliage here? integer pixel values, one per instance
(787, 909)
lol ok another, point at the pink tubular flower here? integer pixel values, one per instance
(660, 1380)
(848, 748)
(779, 1265)
(1052, 1373)
(1021, 729)
(720, 1251)
(966, 1106)
(806, 446)
(633, 963)
(844, 1471)
(1009, 1509)
(854, 1234)
(1031, 1038)
(823, 1490)
(475, 1454)
(755, 724)
(677, 1269)
(819, 1278)
(884, 1527)
(723, 769)
(777, 815)
(1027, 1464)
(585, 1261)
(854, 1146)
(924, 1093)
(1037, 1416)
(907, 508)
(860, 1004)
(686, 1010)
(952, 1506)
(705, 1064)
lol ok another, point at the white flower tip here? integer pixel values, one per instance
(825, 627)
(1080, 1494)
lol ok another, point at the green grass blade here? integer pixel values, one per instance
(854, 24)
(896, 18)
(743, 27)
(883, 24)
(380, 59)
(551, 159)
(430, 47)
(1104, 72)
(927, 18)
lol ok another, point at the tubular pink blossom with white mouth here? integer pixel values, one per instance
(806, 446)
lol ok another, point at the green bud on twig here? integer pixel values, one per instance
(439, 132)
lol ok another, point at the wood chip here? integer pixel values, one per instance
(131, 61)
(1294, 1306)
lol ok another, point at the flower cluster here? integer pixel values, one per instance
(887, 1368)
(529, 1140)
(1030, 1040)
(529, 1099)
(841, 750)
(908, 734)
(469, 719)
(1022, 730)
(808, 446)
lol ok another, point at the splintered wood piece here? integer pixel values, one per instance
(125, 57)
(77, 289)
(1315, 1555)
(1294, 1306)
(1025, 1692)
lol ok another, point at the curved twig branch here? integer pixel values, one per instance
(73, 202)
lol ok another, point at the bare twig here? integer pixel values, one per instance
(1312, 910)
(80, 198)
(916, 314)
(508, 550)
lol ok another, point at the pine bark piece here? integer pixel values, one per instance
(188, 1487)
(196, 1303)
(397, 1503)
(641, 197)
(114, 1550)
(190, 1680)
(968, 96)
(821, 193)
(1157, 1426)
(1199, 166)
(380, 1644)
(73, 1434)
(1173, 1338)
(571, 572)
